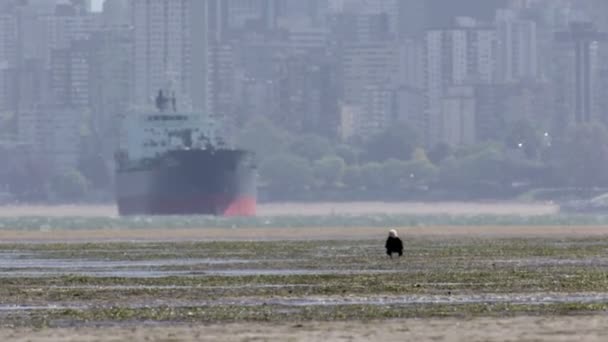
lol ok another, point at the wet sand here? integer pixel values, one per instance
(553, 329)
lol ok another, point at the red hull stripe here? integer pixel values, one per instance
(243, 206)
(212, 205)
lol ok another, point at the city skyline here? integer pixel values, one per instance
(330, 73)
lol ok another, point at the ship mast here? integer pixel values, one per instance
(163, 100)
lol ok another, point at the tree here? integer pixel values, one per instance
(348, 153)
(402, 174)
(8, 121)
(329, 170)
(264, 138)
(522, 135)
(582, 157)
(94, 166)
(372, 176)
(397, 142)
(286, 173)
(6, 153)
(69, 185)
(395, 173)
(352, 177)
(485, 166)
(420, 169)
(439, 153)
(310, 146)
(28, 177)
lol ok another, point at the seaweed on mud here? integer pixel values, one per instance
(344, 269)
(273, 313)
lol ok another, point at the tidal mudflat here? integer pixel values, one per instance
(304, 286)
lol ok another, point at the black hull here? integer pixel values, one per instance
(189, 182)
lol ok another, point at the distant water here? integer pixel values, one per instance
(317, 209)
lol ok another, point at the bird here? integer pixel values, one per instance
(393, 244)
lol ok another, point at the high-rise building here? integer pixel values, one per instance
(243, 13)
(110, 84)
(577, 66)
(69, 47)
(308, 40)
(8, 53)
(459, 56)
(597, 11)
(306, 94)
(412, 20)
(163, 44)
(216, 18)
(410, 82)
(67, 24)
(388, 8)
(377, 115)
(53, 133)
(24, 51)
(500, 104)
(221, 91)
(115, 13)
(272, 14)
(365, 65)
(411, 64)
(458, 116)
(8, 39)
(369, 74)
(313, 12)
(82, 5)
(80, 66)
(60, 77)
(349, 28)
(35, 31)
(255, 14)
(173, 44)
(441, 13)
(517, 56)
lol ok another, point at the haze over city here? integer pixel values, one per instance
(342, 100)
(303, 170)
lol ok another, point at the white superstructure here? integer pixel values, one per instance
(151, 134)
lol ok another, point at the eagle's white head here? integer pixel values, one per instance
(392, 233)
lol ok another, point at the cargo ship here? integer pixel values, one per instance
(173, 163)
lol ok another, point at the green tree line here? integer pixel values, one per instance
(393, 164)
(389, 165)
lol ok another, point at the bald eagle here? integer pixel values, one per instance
(393, 244)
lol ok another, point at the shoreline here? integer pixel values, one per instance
(315, 209)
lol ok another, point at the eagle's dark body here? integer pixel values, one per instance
(394, 245)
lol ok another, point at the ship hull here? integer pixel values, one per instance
(193, 182)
